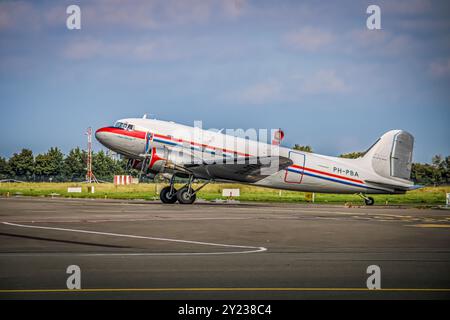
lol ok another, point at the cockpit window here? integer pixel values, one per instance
(121, 125)
(130, 127)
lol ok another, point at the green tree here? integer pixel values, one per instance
(123, 169)
(352, 155)
(438, 163)
(103, 166)
(41, 164)
(438, 172)
(446, 166)
(75, 165)
(120, 166)
(302, 148)
(5, 169)
(22, 164)
(56, 165)
(49, 165)
(422, 173)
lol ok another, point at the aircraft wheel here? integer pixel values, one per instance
(184, 197)
(369, 201)
(165, 197)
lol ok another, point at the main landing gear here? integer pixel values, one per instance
(185, 195)
(369, 201)
(168, 196)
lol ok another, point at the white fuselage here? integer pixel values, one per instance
(181, 145)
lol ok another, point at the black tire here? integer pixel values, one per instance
(183, 196)
(164, 195)
(369, 201)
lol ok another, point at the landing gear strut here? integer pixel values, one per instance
(369, 201)
(185, 195)
(169, 194)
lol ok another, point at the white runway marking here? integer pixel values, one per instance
(252, 249)
(168, 219)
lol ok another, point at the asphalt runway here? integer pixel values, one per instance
(148, 250)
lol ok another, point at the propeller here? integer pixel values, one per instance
(147, 156)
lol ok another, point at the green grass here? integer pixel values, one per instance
(425, 196)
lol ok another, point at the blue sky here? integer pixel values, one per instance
(311, 68)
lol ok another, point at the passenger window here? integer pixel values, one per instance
(130, 127)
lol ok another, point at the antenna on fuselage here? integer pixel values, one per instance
(145, 116)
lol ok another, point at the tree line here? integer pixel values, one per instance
(435, 173)
(55, 166)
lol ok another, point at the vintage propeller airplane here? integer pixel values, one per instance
(156, 146)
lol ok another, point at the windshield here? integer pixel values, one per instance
(123, 125)
(120, 125)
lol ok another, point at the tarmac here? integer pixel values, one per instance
(149, 250)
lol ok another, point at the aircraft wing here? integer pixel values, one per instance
(244, 169)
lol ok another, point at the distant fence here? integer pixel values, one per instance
(11, 181)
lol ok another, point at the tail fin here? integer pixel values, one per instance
(391, 155)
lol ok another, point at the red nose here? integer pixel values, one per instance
(100, 134)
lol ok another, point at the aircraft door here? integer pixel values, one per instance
(294, 174)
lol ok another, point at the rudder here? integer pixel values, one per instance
(391, 155)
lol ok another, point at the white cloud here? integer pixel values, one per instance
(366, 39)
(440, 68)
(410, 7)
(138, 49)
(357, 41)
(379, 42)
(233, 8)
(324, 82)
(149, 47)
(107, 14)
(309, 39)
(429, 24)
(19, 15)
(119, 14)
(84, 49)
(260, 93)
(157, 14)
(292, 88)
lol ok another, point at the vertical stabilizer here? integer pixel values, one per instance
(391, 155)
